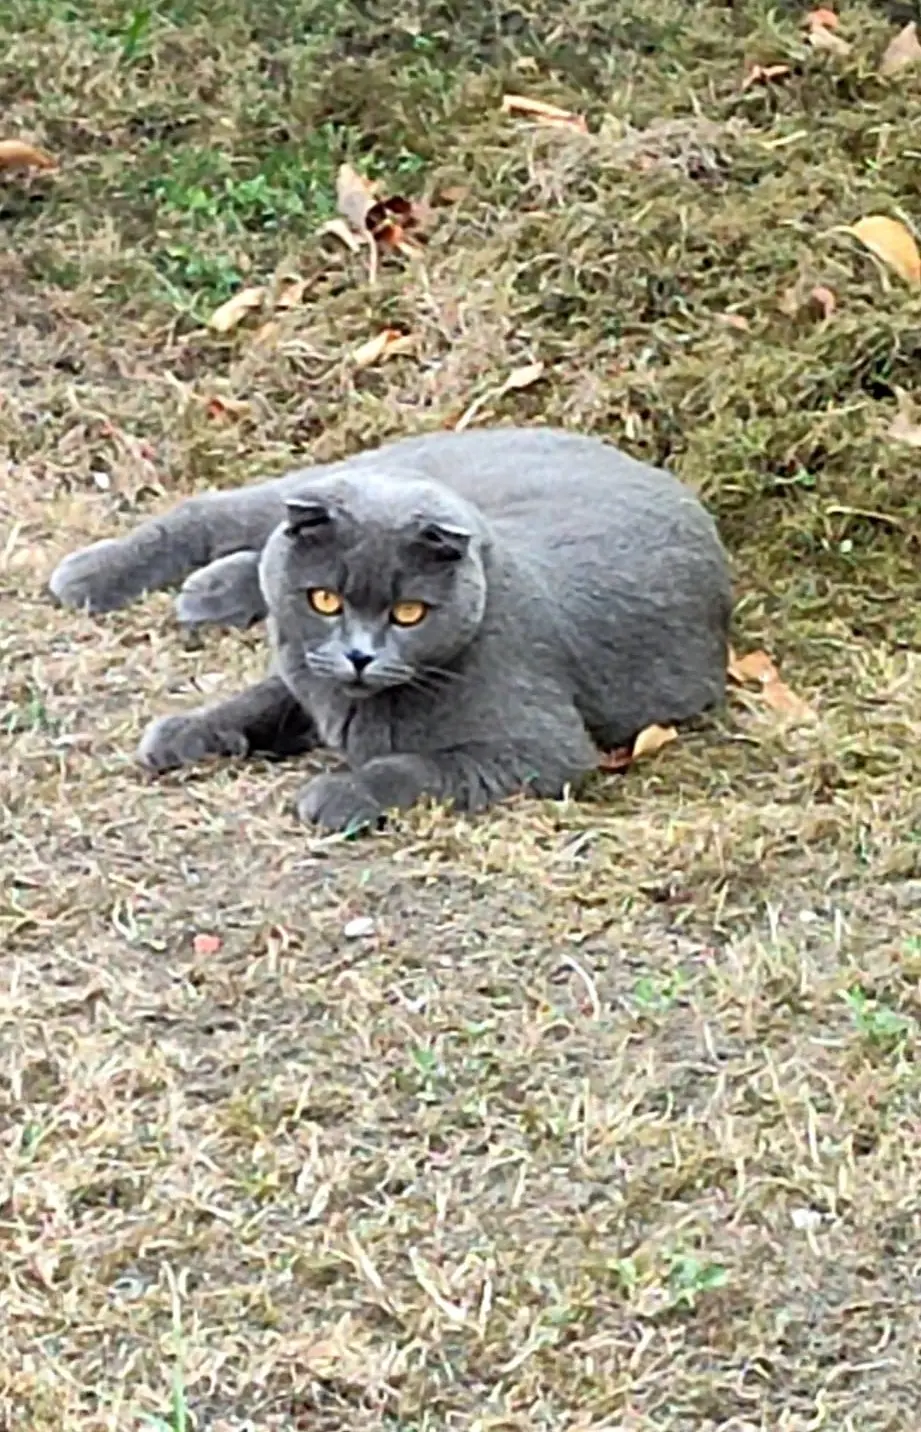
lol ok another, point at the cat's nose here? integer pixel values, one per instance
(359, 659)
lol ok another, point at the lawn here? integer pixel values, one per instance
(595, 1116)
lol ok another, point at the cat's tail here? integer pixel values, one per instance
(164, 550)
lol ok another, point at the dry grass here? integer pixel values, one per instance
(613, 1122)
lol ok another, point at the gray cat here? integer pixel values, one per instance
(461, 615)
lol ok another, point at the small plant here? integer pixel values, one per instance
(658, 996)
(689, 1277)
(877, 1022)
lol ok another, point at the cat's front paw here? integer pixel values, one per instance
(175, 741)
(88, 580)
(338, 802)
(225, 593)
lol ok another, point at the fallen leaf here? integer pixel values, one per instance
(291, 292)
(620, 759)
(823, 298)
(817, 301)
(779, 697)
(523, 377)
(735, 320)
(903, 50)
(15, 154)
(764, 75)
(822, 38)
(651, 741)
(354, 195)
(389, 221)
(904, 428)
(542, 113)
(339, 229)
(386, 344)
(218, 407)
(757, 669)
(824, 17)
(454, 193)
(206, 944)
(266, 333)
(891, 242)
(229, 314)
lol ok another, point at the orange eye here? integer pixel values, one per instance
(407, 614)
(328, 604)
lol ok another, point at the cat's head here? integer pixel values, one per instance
(374, 582)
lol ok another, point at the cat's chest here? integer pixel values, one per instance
(361, 730)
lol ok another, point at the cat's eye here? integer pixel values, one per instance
(328, 604)
(407, 614)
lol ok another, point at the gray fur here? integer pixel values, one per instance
(576, 596)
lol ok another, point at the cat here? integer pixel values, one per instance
(461, 616)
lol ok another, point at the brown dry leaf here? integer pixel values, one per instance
(651, 741)
(904, 428)
(620, 759)
(891, 242)
(355, 195)
(454, 193)
(386, 344)
(523, 377)
(815, 302)
(542, 113)
(824, 299)
(390, 221)
(824, 17)
(218, 407)
(15, 154)
(266, 333)
(903, 50)
(291, 292)
(764, 75)
(339, 229)
(229, 314)
(779, 697)
(821, 38)
(757, 669)
(735, 320)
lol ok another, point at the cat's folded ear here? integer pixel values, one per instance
(307, 516)
(441, 543)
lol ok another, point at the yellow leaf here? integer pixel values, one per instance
(542, 113)
(891, 242)
(651, 741)
(232, 312)
(904, 49)
(821, 38)
(14, 154)
(523, 377)
(386, 344)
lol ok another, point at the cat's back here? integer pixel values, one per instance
(546, 491)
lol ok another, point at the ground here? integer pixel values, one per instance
(611, 1118)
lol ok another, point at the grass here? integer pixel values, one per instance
(613, 1119)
